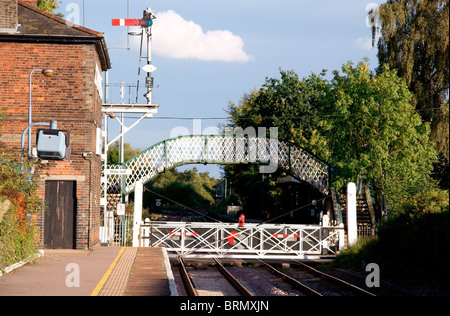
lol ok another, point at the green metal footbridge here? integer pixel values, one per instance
(269, 153)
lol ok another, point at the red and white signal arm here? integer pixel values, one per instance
(131, 22)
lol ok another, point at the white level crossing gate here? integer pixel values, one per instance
(227, 240)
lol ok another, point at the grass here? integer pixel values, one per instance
(365, 250)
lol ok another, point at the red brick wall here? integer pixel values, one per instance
(71, 98)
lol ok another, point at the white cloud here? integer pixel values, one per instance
(364, 43)
(175, 37)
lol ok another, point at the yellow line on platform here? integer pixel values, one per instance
(102, 282)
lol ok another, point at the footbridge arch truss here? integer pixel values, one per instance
(269, 153)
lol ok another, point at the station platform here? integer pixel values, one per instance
(105, 271)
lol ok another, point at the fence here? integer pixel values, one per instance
(127, 93)
(117, 230)
(228, 240)
(365, 231)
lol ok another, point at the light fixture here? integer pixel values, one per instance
(135, 33)
(111, 115)
(47, 72)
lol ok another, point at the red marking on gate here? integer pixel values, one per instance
(231, 237)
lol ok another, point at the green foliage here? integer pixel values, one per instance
(48, 5)
(252, 190)
(362, 124)
(412, 242)
(291, 104)
(414, 40)
(294, 106)
(376, 133)
(1, 117)
(417, 242)
(366, 249)
(190, 188)
(114, 152)
(18, 234)
(441, 171)
(427, 201)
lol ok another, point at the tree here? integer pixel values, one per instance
(294, 106)
(189, 188)
(377, 134)
(128, 152)
(414, 39)
(362, 124)
(48, 5)
(289, 103)
(254, 191)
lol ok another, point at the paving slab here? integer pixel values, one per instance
(106, 271)
(57, 273)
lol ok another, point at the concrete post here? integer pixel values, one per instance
(137, 216)
(341, 237)
(352, 230)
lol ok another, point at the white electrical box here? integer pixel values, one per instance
(53, 144)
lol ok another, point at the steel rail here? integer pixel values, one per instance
(190, 288)
(336, 281)
(237, 285)
(293, 282)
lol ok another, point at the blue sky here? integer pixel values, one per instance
(210, 52)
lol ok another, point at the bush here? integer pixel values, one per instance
(412, 242)
(19, 238)
(417, 243)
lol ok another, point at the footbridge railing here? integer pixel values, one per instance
(227, 240)
(219, 149)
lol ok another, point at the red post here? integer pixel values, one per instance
(242, 220)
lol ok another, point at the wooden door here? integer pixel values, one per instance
(59, 217)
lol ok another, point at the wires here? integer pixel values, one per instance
(296, 210)
(184, 206)
(285, 117)
(191, 209)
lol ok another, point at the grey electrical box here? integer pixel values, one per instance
(53, 144)
(149, 82)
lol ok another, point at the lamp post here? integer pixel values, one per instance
(52, 125)
(46, 73)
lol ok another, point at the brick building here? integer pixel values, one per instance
(32, 39)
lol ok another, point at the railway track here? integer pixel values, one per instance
(318, 283)
(266, 280)
(211, 281)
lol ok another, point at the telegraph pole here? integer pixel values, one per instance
(146, 24)
(149, 16)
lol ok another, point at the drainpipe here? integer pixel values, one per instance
(85, 156)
